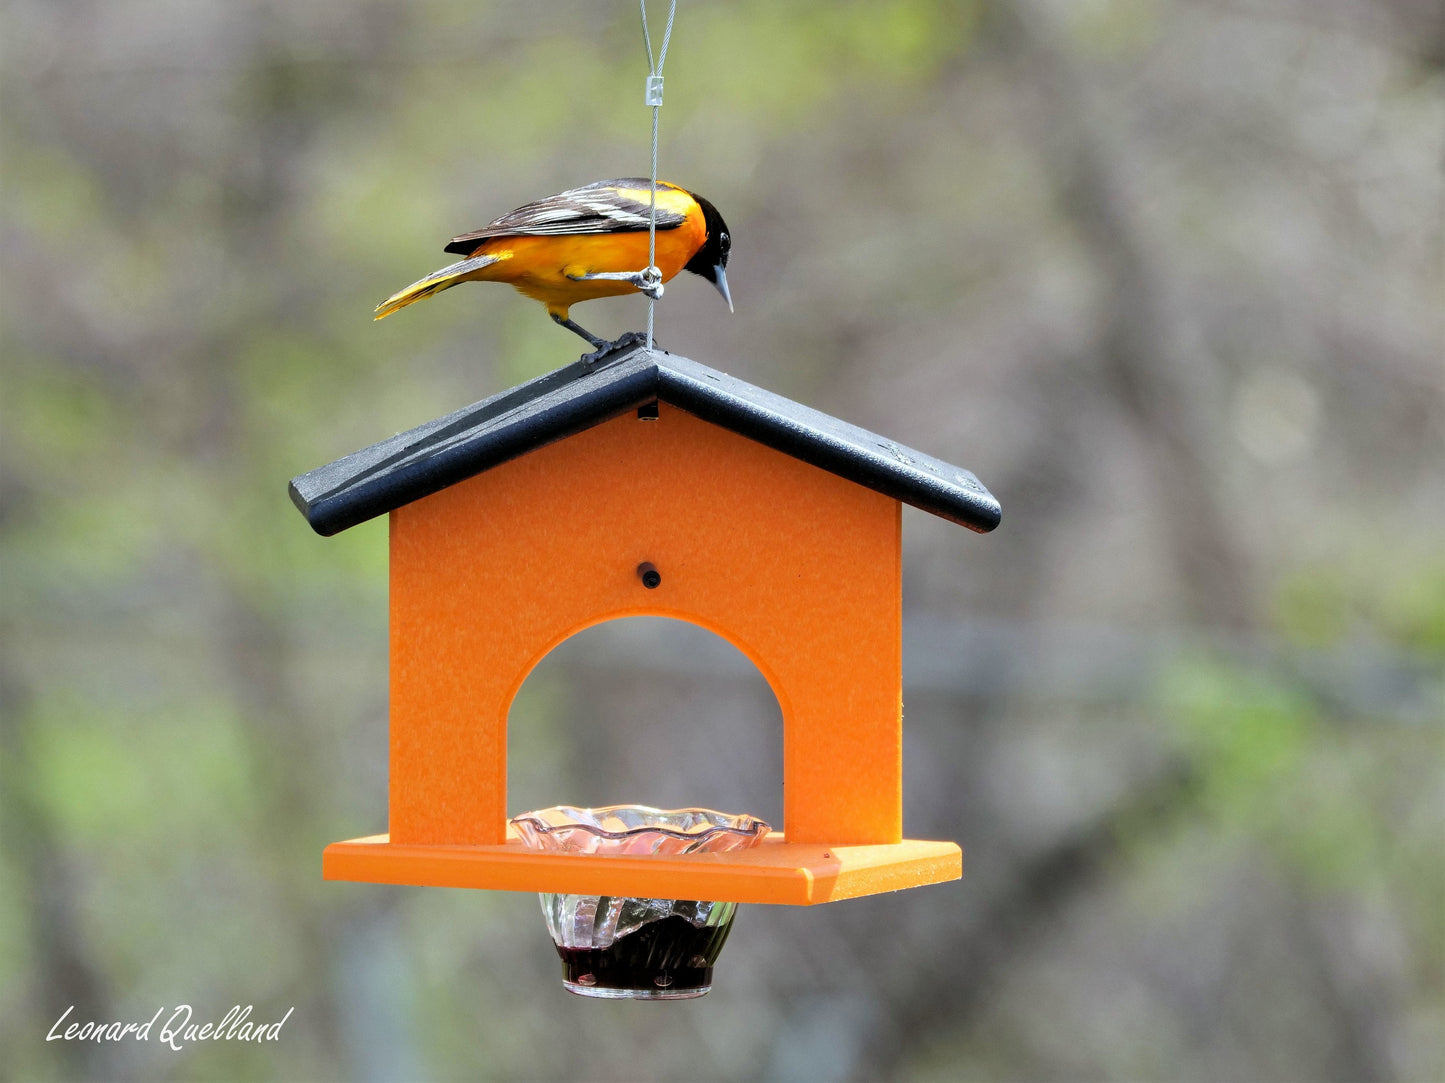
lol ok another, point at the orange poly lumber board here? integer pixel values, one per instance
(798, 568)
(775, 872)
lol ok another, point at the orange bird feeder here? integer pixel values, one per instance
(645, 484)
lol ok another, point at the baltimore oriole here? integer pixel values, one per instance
(585, 243)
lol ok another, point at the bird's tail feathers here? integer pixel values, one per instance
(433, 283)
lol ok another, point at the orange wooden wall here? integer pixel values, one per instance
(798, 568)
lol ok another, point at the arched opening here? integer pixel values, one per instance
(647, 710)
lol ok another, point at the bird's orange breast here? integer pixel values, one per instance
(539, 267)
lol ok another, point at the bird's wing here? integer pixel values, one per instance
(615, 206)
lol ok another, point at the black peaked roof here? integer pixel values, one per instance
(429, 458)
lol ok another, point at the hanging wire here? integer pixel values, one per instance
(654, 99)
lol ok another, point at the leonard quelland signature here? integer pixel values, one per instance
(178, 1030)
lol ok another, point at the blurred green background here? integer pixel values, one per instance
(1167, 274)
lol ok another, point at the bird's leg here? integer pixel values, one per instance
(577, 328)
(603, 347)
(648, 280)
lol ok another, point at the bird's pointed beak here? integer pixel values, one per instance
(721, 282)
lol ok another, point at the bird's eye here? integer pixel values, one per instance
(724, 242)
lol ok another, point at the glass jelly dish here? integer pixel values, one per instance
(630, 948)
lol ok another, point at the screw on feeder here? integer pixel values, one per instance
(649, 575)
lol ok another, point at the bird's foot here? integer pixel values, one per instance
(632, 338)
(649, 283)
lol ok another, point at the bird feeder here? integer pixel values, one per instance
(644, 484)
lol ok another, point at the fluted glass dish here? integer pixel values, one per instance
(633, 948)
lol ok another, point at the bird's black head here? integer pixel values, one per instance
(711, 260)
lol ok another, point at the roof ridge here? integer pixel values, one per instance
(451, 448)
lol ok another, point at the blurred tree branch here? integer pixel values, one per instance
(61, 971)
(1157, 371)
